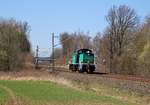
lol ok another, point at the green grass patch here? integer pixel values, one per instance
(3, 95)
(48, 92)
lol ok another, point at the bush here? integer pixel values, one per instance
(144, 60)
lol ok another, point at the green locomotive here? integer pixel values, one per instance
(83, 61)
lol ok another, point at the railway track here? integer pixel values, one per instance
(99, 74)
(107, 75)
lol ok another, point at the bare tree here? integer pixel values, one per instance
(121, 19)
(73, 41)
(13, 43)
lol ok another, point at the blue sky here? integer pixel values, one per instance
(47, 16)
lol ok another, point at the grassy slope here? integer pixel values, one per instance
(48, 92)
(130, 97)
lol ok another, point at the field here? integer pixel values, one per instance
(40, 87)
(49, 93)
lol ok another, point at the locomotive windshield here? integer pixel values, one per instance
(87, 51)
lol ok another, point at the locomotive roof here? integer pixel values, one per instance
(84, 50)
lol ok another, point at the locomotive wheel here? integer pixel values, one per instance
(80, 71)
(90, 71)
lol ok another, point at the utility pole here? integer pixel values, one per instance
(53, 48)
(36, 60)
(53, 56)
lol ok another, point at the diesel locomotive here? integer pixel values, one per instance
(82, 60)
